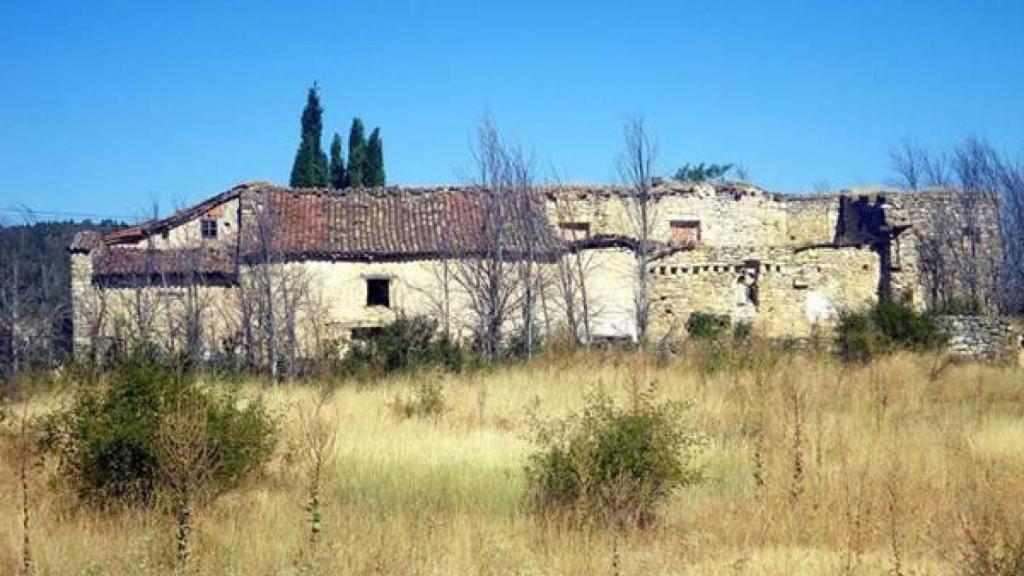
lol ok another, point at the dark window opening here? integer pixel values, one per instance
(574, 230)
(366, 333)
(970, 239)
(208, 228)
(378, 292)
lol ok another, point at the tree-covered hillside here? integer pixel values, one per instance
(35, 292)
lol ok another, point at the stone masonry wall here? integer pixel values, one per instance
(782, 293)
(980, 337)
(734, 217)
(783, 263)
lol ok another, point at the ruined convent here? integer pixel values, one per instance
(343, 263)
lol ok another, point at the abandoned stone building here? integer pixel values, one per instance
(339, 265)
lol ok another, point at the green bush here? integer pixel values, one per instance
(613, 464)
(886, 327)
(958, 307)
(427, 401)
(407, 343)
(705, 326)
(106, 441)
(743, 331)
(516, 345)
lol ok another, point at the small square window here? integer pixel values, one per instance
(378, 292)
(208, 228)
(684, 232)
(572, 231)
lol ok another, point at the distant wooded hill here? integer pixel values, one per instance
(35, 292)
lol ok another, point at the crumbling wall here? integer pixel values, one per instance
(188, 234)
(981, 337)
(736, 216)
(952, 249)
(781, 292)
(811, 220)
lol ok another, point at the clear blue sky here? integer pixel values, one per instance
(107, 106)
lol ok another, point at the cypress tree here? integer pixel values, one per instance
(337, 167)
(356, 155)
(310, 167)
(375, 159)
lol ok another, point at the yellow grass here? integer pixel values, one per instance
(895, 467)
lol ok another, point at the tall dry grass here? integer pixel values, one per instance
(812, 468)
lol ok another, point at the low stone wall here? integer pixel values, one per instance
(980, 337)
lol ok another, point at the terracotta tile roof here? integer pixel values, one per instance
(113, 262)
(139, 232)
(379, 224)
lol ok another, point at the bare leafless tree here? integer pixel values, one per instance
(438, 293)
(970, 244)
(482, 267)
(12, 302)
(191, 317)
(907, 162)
(31, 302)
(186, 462)
(916, 168)
(277, 299)
(530, 230)
(267, 261)
(1012, 210)
(636, 168)
(573, 270)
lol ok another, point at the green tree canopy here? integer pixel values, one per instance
(375, 160)
(310, 167)
(357, 155)
(337, 168)
(702, 172)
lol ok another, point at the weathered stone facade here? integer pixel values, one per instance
(786, 264)
(982, 337)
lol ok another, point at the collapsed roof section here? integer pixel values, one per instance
(396, 224)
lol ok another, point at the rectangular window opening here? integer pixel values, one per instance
(366, 333)
(572, 231)
(208, 228)
(684, 232)
(378, 292)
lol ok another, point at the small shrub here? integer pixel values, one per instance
(613, 464)
(427, 401)
(887, 326)
(858, 338)
(516, 345)
(705, 326)
(107, 445)
(959, 307)
(407, 343)
(743, 331)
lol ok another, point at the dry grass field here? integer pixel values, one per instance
(810, 467)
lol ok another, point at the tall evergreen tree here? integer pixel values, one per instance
(310, 167)
(356, 155)
(375, 160)
(337, 168)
